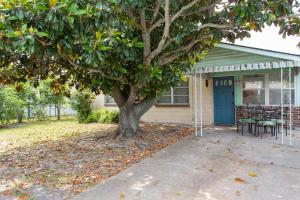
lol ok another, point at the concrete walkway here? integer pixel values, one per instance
(220, 165)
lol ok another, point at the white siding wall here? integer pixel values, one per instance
(181, 115)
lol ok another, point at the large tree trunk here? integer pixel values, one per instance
(128, 121)
(130, 116)
(130, 110)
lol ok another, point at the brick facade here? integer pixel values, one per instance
(242, 112)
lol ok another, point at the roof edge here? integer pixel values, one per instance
(259, 51)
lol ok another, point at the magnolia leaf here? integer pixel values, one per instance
(252, 174)
(58, 48)
(139, 45)
(122, 195)
(52, 3)
(98, 35)
(70, 20)
(239, 180)
(42, 34)
(123, 70)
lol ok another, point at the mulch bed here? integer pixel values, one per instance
(62, 169)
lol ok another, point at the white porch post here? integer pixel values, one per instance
(281, 101)
(201, 106)
(195, 104)
(290, 91)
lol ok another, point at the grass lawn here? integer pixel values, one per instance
(58, 159)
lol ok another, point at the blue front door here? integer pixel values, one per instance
(224, 113)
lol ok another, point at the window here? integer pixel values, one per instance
(109, 100)
(178, 95)
(254, 89)
(266, 89)
(275, 88)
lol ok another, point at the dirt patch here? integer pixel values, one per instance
(61, 169)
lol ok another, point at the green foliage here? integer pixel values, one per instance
(39, 113)
(11, 106)
(102, 116)
(81, 102)
(107, 116)
(51, 95)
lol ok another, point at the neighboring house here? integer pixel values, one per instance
(231, 75)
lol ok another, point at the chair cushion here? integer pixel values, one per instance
(267, 123)
(247, 120)
(279, 121)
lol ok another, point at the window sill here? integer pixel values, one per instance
(172, 105)
(110, 105)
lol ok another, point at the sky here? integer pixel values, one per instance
(271, 40)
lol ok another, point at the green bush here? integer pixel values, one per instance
(93, 117)
(102, 116)
(81, 102)
(39, 113)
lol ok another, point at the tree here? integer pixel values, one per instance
(11, 106)
(52, 94)
(130, 49)
(28, 94)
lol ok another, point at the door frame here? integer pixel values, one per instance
(213, 99)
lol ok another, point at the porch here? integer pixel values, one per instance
(241, 77)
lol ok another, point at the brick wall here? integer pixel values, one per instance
(242, 112)
(296, 117)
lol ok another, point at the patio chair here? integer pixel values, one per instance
(248, 120)
(267, 121)
(279, 122)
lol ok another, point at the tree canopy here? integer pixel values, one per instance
(130, 49)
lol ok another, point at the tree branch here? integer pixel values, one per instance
(180, 13)
(145, 35)
(209, 7)
(173, 55)
(132, 95)
(219, 26)
(156, 11)
(142, 107)
(118, 96)
(183, 9)
(164, 36)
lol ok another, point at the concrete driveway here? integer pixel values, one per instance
(221, 165)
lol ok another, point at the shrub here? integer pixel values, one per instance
(39, 112)
(81, 102)
(107, 116)
(93, 117)
(102, 116)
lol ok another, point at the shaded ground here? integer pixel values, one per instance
(222, 165)
(55, 160)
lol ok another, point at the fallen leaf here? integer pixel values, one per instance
(239, 180)
(210, 169)
(252, 174)
(215, 142)
(122, 195)
(242, 161)
(178, 194)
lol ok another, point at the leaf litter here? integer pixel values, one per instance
(69, 164)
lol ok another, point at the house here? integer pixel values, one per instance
(229, 76)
